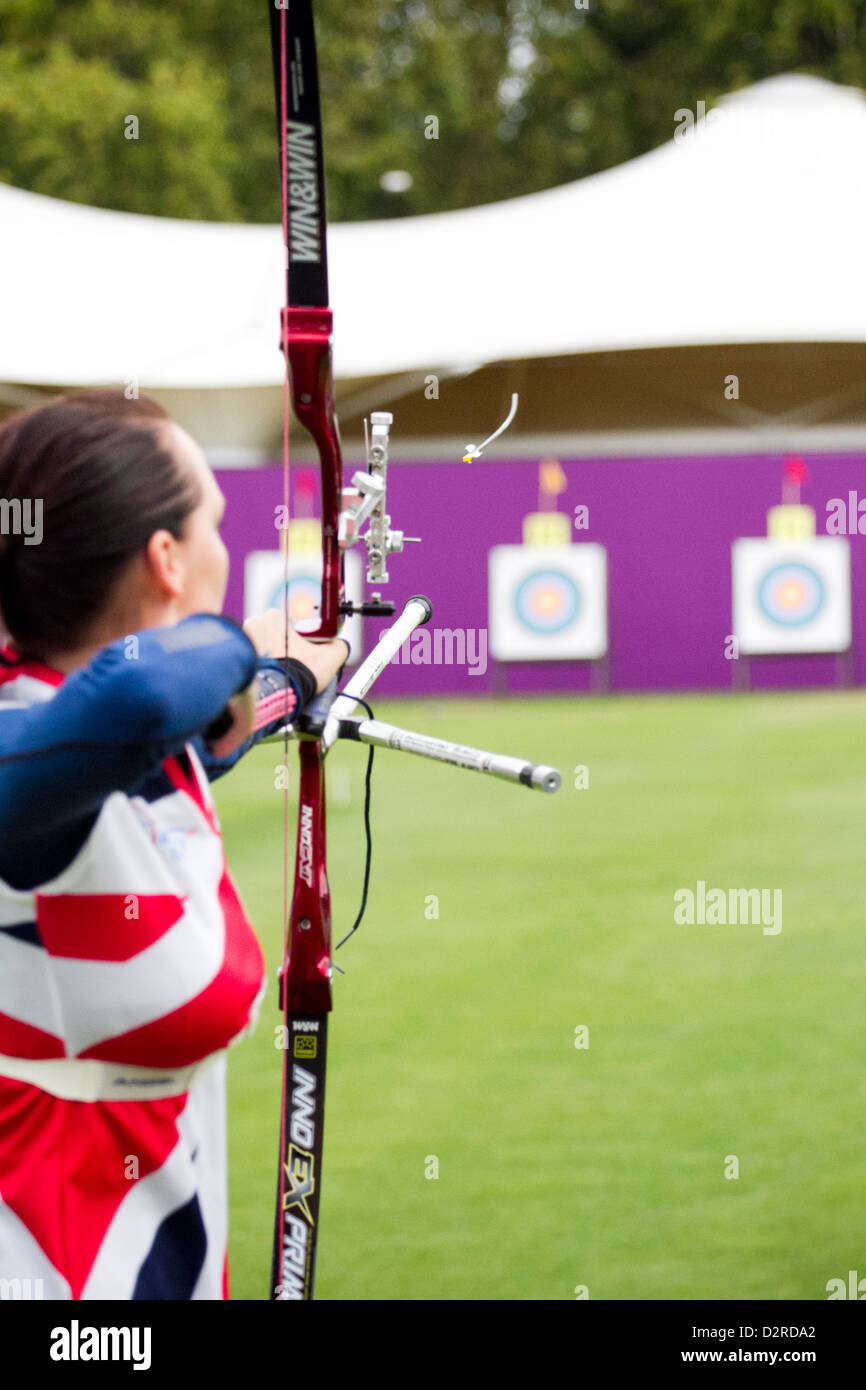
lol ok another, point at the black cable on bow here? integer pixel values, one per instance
(367, 791)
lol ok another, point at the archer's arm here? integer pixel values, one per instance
(108, 726)
(281, 688)
(291, 671)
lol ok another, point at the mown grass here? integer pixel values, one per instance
(498, 922)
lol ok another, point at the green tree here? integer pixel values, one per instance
(470, 102)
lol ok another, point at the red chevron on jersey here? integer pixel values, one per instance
(198, 1027)
(104, 926)
(19, 1039)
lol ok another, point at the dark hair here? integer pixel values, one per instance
(105, 480)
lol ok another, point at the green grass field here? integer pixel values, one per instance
(453, 1036)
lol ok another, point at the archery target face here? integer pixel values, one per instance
(547, 603)
(264, 588)
(791, 596)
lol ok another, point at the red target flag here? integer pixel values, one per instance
(795, 470)
(794, 474)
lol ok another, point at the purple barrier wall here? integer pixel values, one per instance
(667, 523)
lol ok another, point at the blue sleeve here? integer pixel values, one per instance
(109, 726)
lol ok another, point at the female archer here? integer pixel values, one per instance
(127, 964)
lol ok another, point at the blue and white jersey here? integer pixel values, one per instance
(127, 967)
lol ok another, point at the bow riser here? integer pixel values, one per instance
(306, 341)
(305, 984)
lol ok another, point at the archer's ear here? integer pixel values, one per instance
(164, 565)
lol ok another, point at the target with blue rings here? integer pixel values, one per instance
(305, 596)
(791, 594)
(548, 601)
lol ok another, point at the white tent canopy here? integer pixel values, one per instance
(749, 230)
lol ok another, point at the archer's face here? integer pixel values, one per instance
(202, 555)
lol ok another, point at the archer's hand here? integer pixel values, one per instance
(268, 635)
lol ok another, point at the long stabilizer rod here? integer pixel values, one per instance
(537, 776)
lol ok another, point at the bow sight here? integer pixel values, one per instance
(365, 501)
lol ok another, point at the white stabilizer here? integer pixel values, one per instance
(536, 776)
(416, 612)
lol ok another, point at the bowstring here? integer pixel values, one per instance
(284, 198)
(287, 397)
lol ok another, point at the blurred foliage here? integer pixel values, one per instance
(527, 94)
